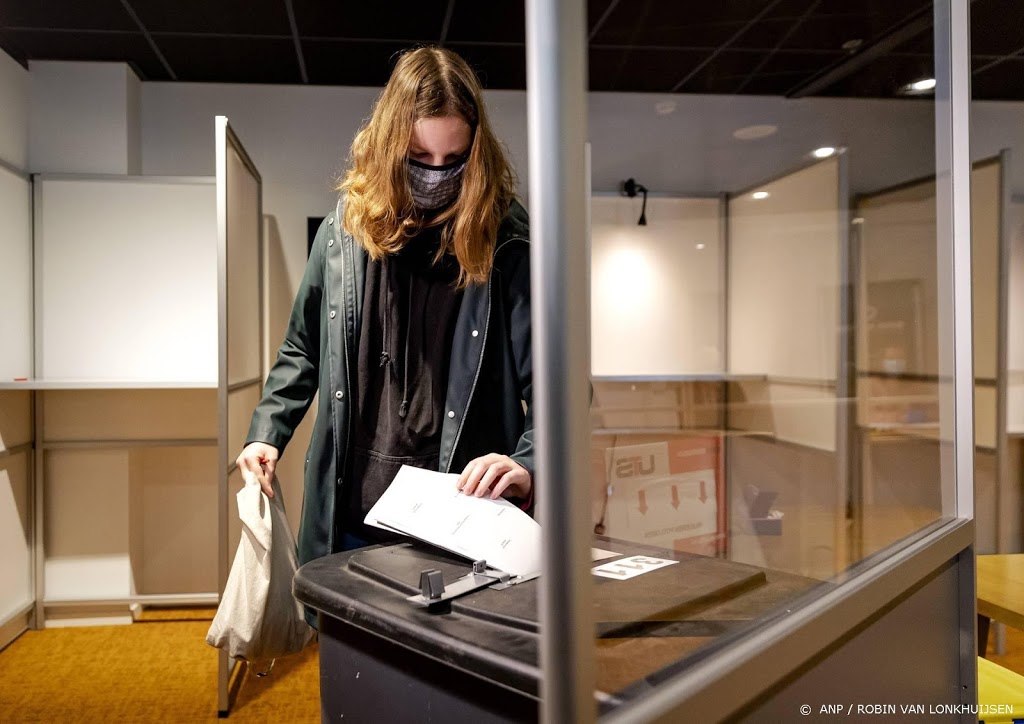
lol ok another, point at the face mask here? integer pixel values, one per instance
(435, 186)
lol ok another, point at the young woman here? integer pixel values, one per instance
(413, 318)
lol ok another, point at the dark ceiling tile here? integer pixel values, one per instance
(683, 25)
(999, 82)
(331, 62)
(923, 44)
(497, 66)
(601, 66)
(129, 48)
(9, 46)
(596, 10)
(792, 62)
(416, 20)
(883, 78)
(830, 32)
(997, 26)
(81, 14)
(772, 85)
(496, 22)
(228, 17)
(641, 70)
(764, 34)
(723, 74)
(231, 60)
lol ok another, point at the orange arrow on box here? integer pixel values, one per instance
(675, 497)
(643, 502)
(703, 492)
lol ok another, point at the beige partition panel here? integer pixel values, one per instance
(15, 419)
(657, 290)
(86, 525)
(897, 348)
(897, 345)
(15, 275)
(126, 279)
(129, 496)
(16, 592)
(1015, 326)
(240, 343)
(129, 415)
(173, 519)
(784, 299)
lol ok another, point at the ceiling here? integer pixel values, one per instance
(862, 48)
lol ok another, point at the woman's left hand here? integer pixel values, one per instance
(496, 474)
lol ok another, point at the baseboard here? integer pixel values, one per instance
(14, 627)
(58, 616)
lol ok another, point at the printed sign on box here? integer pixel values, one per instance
(650, 502)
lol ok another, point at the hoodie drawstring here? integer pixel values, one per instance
(404, 407)
(385, 356)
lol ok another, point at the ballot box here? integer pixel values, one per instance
(474, 658)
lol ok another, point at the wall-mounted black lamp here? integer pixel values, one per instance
(631, 188)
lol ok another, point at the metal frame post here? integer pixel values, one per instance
(557, 113)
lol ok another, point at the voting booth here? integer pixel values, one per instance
(388, 655)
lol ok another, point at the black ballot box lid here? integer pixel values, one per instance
(643, 624)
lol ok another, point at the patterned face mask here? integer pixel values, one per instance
(435, 186)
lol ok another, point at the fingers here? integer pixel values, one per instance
(260, 460)
(474, 472)
(494, 474)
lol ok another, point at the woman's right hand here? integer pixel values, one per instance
(260, 459)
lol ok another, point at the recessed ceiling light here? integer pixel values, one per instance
(751, 133)
(663, 108)
(760, 195)
(700, 247)
(920, 86)
(823, 152)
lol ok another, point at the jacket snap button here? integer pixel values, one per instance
(475, 333)
(451, 413)
(333, 314)
(330, 243)
(338, 395)
(330, 219)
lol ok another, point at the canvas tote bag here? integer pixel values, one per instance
(258, 618)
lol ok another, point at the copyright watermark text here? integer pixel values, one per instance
(908, 709)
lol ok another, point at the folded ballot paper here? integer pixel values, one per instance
(425, 504)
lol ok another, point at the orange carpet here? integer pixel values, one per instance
(162, 671)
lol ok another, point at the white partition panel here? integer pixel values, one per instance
(15, 535)
(126, 279)
(15, 276)
(784, 276)
(656, 290)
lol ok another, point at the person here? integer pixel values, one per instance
(412, 320)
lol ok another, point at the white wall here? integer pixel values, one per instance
(82, 115)
(656, 291)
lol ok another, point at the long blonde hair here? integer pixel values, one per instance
(427, 82)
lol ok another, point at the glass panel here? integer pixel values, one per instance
(997, 230)
(765, 320)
